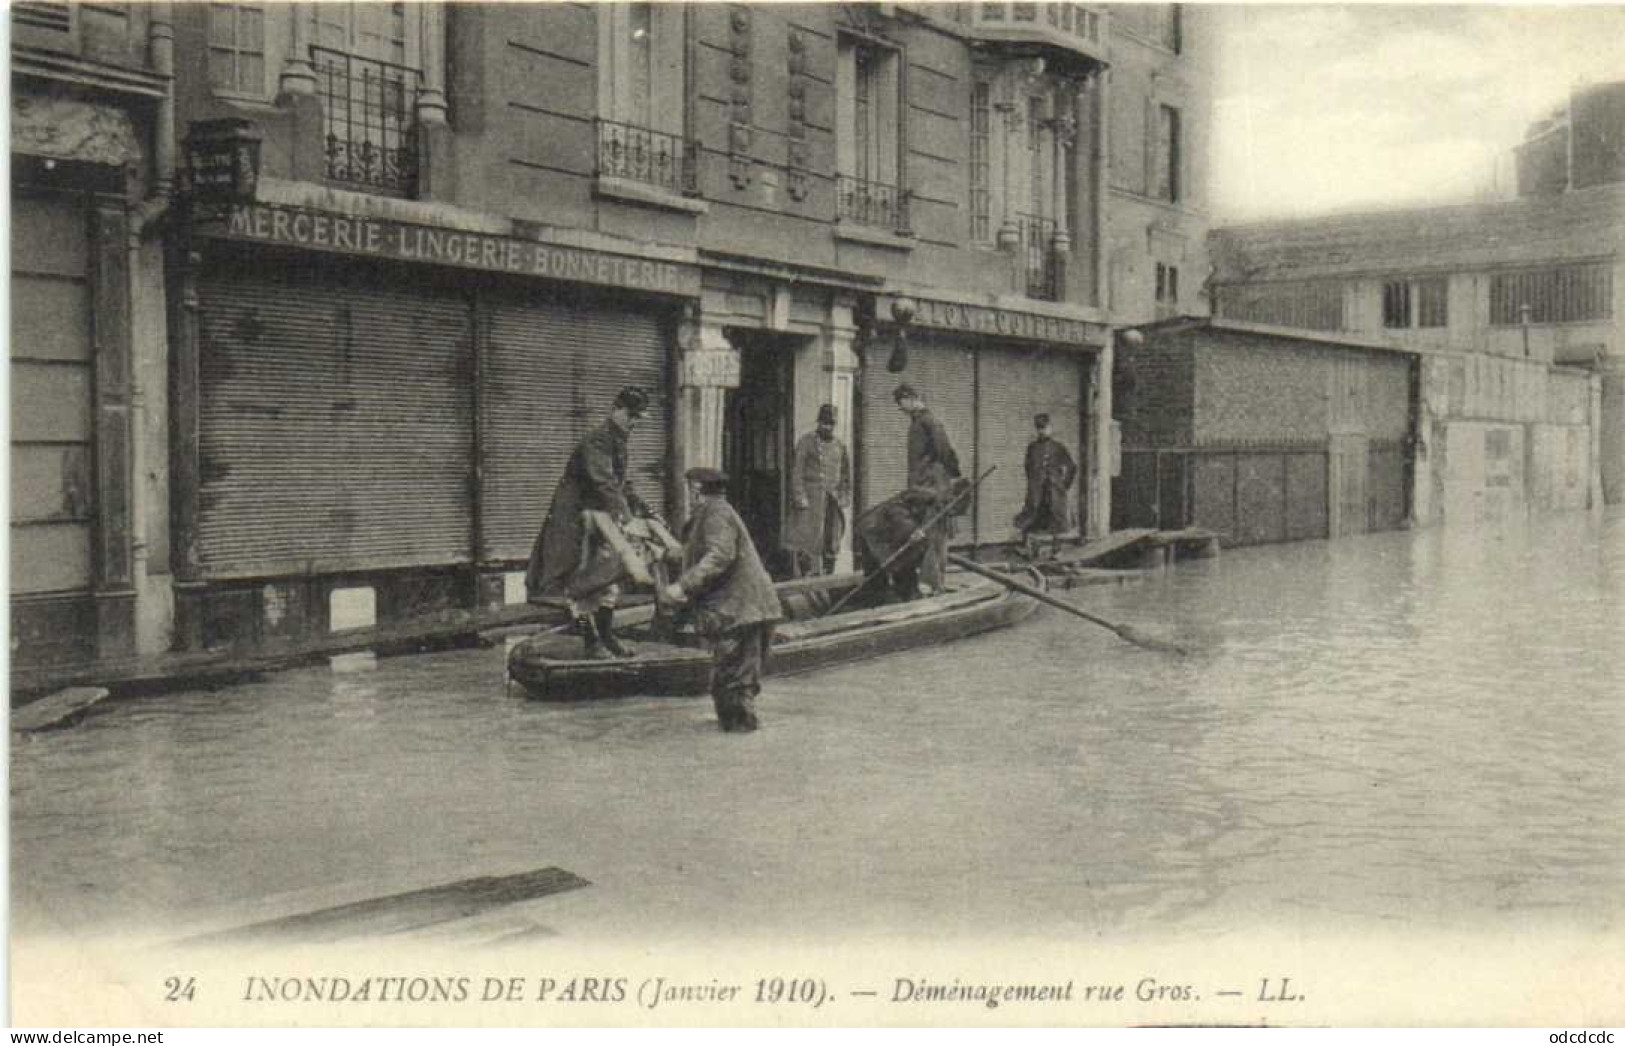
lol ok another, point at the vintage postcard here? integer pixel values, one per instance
(816, 514)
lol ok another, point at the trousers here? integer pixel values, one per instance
(736, 679)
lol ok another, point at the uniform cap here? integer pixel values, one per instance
(826, 414)
(903, 392)
(707, 477)
(634, 399)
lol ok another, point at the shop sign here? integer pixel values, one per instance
(1004, 323)
(709, 368)
(400, 241)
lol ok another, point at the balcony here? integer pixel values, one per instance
(1043, 261)
(873, 204)
(369, 122)
(1065, 28)
(668, 163)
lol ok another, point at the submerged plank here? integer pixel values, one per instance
(403, 912)
(56, 709)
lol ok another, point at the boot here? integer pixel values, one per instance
(594, 644)
(604, 618)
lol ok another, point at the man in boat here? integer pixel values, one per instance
(890, 538)
(932, 466)
(572, 556)
(1050, 472)
(821, 492)
(734, 603)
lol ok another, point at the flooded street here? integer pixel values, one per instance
(1414, 730)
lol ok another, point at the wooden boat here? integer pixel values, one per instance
(550, 668)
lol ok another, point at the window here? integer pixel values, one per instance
(1415, 303)
(981, 116)
(364, 29)
(367, 79)
(1433, 302)
(643, 91)
(1396, 303)
(237, 48)
(1562, 294)
(1165, 176)
(1167, 284)
(867, 136)
(1159, 23)
(868, 162)
(642, 52)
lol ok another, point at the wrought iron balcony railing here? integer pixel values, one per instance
(638, 154)
(873, 203)
(1043, 265)
(369, 117)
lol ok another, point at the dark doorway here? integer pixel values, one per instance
(756, 439)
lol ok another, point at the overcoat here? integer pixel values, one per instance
(722, 574)
(932, 463)
(1050, 472)
(820, 469)
(594, 478)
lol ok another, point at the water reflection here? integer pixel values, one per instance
(1399, 729)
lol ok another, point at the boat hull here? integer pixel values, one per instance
(549, 667)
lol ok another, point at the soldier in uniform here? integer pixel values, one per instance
(734, 603)
(1050, 472)
(569, 557)
(821, 492)
(932, 466)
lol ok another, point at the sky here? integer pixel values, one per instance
(1347, 107)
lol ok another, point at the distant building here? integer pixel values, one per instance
(1579, 145)
(1261, 434)
(1511, 305)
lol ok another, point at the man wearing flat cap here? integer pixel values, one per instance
(932, 466)
(570, 558)
(1050, 472)
(820, 493)
(734, 603)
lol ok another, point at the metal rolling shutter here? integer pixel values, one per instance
(945, 374)
(549, 372)
(1013, 385)
(336, 420)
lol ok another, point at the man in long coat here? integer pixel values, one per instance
(735, 605)
(821, 492)
(569, 559)
(932, 466)
(1050, 472)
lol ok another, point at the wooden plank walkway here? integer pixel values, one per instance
(1092, 552)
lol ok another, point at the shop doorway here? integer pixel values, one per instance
(757, 439)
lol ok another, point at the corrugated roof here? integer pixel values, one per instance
(1587, 223)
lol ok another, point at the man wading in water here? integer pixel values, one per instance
(735, 605)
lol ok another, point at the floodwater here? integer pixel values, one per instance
(1418, 730)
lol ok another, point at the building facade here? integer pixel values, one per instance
(90, 169)
(1513, 309)
(471, 223)
(1260, 434)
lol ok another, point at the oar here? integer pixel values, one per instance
(1133, 635)
(945, 510)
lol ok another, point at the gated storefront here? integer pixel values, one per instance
(985, 393)
(1262, 438)
(377, 442)
(1253, 495)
